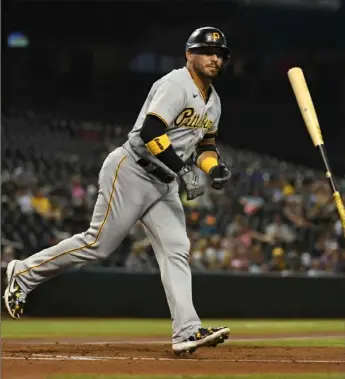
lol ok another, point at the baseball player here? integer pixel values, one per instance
(140, 181)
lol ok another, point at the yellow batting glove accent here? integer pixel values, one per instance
(158, 144)
(207, 163)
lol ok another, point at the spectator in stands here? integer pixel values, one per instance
(5, 176)
(278, 262)
(206, 202)
(214, 254)
(208, 225)
(77, 192)
(197, 255)
(324, 245)
(257, 263)
(40, 203)
(91, 195)
(55, 213)
(235, 227)
(279, 232)
(252, 203)
(293, 260)
(241, 233)
(294, 212)
(193, 219)
(315, 268)
(322, 208)
(339, 266)
(240, 258)
(24, 200)
(7, 255)
(306, 261)
(338, 228)
(288, 188)
(225, 253)
(276, 187)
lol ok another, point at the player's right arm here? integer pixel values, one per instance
(168, 101)
(208, 159)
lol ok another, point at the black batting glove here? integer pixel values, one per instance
(219, 175)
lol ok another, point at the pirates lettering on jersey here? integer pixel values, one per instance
(189, 118)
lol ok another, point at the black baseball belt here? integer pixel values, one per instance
(156, 171)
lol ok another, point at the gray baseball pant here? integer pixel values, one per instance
(127, 193)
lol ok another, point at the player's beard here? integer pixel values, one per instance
(203, 74)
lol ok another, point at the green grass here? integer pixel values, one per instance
(31, 328)
(232, 376)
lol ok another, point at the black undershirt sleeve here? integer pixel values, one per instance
(153, 128)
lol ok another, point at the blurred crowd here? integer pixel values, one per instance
(282, 227)
(272, 216)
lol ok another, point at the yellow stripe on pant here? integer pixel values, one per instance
(98, 233)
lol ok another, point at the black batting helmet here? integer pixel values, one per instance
(208, 37)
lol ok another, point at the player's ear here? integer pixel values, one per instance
(188, 55)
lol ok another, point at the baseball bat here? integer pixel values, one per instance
(306, 106)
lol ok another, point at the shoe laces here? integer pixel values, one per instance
(202, 332)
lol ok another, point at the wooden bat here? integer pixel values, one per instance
(306, 106)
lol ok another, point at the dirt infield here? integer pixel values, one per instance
(37, 359)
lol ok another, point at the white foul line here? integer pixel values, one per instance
(53, 358)
(94, 358)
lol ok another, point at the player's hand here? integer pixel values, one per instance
(219, 175)
(191, 182)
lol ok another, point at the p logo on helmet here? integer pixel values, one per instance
(215, 36)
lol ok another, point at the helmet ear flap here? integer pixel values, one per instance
(225, 65)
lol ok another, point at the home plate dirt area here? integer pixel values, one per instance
(38, 359)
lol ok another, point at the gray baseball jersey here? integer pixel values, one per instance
(128, 193)
(178, 102)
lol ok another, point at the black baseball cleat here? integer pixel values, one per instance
(14, 296)
(202, 338)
